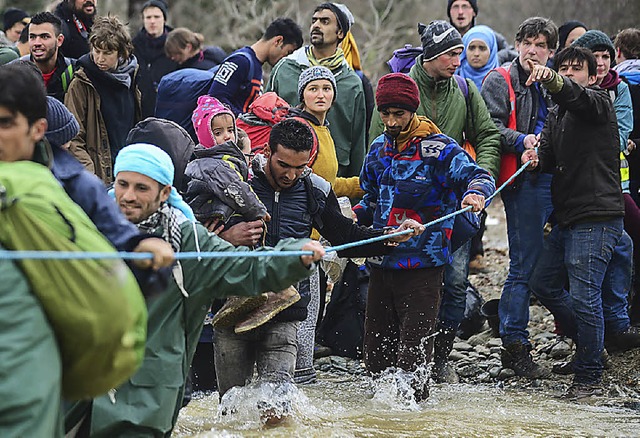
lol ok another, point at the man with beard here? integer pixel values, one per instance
(149, 49)
(347, 118)
(77, 19)
(45, 39)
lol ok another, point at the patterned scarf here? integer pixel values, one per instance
(332, 62)
(420, 126)
(167, 219)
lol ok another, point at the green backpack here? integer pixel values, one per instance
(95, 307)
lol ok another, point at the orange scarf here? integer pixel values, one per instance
(419, 126)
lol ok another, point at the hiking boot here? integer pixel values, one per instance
(275, 304)
(235, 308)
(566, 368)
(579, 391)
(517, 356)
(623, 341)
(443, 371)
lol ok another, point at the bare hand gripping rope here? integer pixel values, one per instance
(72, 255)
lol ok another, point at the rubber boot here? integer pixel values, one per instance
(443, 370)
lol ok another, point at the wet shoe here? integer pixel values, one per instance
(236, 308)
(579, 391)
(623, 341)
(444, 372)
(517, 356)
(275, 304)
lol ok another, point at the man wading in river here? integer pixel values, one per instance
(412, 171)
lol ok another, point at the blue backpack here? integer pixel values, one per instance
(178, 93)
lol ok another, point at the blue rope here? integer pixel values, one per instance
(77, 255)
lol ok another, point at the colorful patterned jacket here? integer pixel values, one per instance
(425, 181)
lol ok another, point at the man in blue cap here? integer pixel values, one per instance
(148, 403)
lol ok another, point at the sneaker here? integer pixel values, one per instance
(579, 391)
(236, 308)
(517, 356)
(275, 304)
(623, 341)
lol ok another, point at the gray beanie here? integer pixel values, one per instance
(62, 126)
(313, 74)
(438, 38)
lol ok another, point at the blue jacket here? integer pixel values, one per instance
(425, 181)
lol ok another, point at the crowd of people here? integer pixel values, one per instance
(252, 166)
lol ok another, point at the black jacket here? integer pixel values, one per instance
(75, 31)
(62, 75)
(310, 203)
(153, 65)
(580, 145)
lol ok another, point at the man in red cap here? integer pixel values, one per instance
(412, 171)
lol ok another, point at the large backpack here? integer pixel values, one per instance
(178, 93)
(403, 59)
(264, 112)
(95, 307)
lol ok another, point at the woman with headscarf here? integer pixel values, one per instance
(480, 54)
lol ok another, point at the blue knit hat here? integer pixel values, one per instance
(155, 163)
(62, 126)
(596, 40)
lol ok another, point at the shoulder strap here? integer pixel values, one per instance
(314, 205)
(464, 87)
(66, 77)
(506, 74)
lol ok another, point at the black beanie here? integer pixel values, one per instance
(12, 16)
(565, 30)
(157, 4)
(473, 3)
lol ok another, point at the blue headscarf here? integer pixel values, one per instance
(155, 163)
(484, 33)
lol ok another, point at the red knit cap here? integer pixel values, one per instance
(399, 91)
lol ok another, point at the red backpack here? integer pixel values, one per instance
(264, 112)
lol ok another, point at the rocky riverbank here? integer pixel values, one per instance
(477, 359)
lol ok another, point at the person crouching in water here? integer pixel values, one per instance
(412, 171)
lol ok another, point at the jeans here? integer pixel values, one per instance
(402, 307)
(454, 293)
(616, 287)
(581, 254)
(272, 347)
(527, 209)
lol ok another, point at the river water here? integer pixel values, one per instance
(352, 406)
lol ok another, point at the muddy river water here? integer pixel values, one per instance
(350, 406)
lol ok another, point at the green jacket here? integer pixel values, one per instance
(444, 103)
(30, 365)
(148, 403)
(347, 116)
